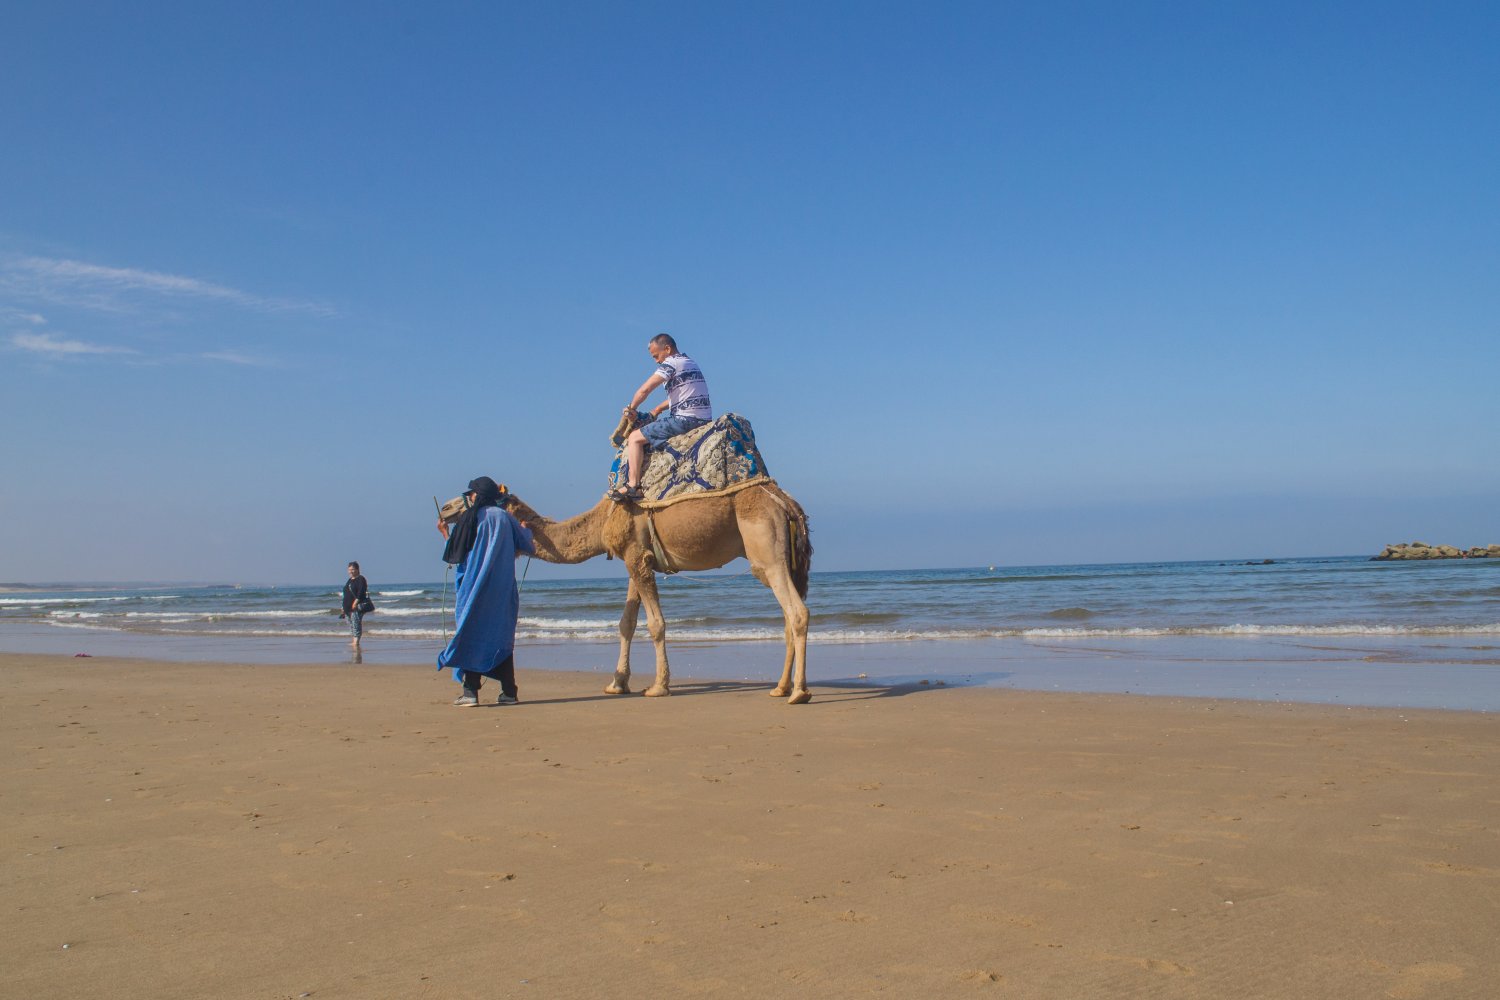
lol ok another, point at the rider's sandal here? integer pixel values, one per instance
(620, 494)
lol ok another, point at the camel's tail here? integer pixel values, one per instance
(801, 547)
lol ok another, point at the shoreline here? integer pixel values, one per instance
(1459, 673)
(281, 831)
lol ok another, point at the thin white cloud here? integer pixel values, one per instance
(9, 316)
(235, 358)
(54, 347)
(96, 286)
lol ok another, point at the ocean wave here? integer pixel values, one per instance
(570, 623)
(335, 633)
(673, 634)
(25, 601)
(591, 630)
(848, 619)
(399, 593)
(1070, 613)
(981, 580)
(137, 618)
(1147, 632)
(211, 615)
(263, 633)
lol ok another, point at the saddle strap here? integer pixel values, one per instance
(658, 553)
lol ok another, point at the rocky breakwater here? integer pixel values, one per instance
(1421, 550)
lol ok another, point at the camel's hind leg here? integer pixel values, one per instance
(621, 682)
(768, 550)
(794, 669)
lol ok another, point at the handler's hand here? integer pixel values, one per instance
(442, 527)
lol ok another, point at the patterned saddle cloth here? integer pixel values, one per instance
(713, 457)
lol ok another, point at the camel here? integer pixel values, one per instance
(760, 522)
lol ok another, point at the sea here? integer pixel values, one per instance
(1338, 629)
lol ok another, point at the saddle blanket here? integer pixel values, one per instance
(713, 457)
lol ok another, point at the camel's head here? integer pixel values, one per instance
(450, 512)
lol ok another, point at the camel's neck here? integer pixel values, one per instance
(572, 541)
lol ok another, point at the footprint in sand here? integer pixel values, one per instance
(1447, 868)
(1160, 966)
(292, 849)
(465, 838)
(1419, 980)
(486, 876)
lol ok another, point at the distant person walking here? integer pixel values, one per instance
(484, 545)
(356, 593)
(687, 399)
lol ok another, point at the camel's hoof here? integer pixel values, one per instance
(800, 697)
(657, 691)
(617, 689)
(778, 692)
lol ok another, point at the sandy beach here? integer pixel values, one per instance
(217, 830)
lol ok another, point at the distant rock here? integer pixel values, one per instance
(1421, 550)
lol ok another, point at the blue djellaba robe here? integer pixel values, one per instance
(487, 603)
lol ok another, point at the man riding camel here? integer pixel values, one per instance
(687, 398)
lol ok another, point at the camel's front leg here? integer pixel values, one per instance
(628, 618)
(645, 585)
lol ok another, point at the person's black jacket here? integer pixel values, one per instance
(354, 591)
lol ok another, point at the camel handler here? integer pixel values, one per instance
(484, 545)
(687, 398)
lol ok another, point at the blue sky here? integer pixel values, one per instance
(995, 283)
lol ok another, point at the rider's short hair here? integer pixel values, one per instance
(665, 340)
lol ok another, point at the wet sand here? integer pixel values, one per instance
(1451, 672)
(263, 831)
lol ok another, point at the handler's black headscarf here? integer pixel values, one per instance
(486, 494)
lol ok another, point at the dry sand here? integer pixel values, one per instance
(212, 830)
